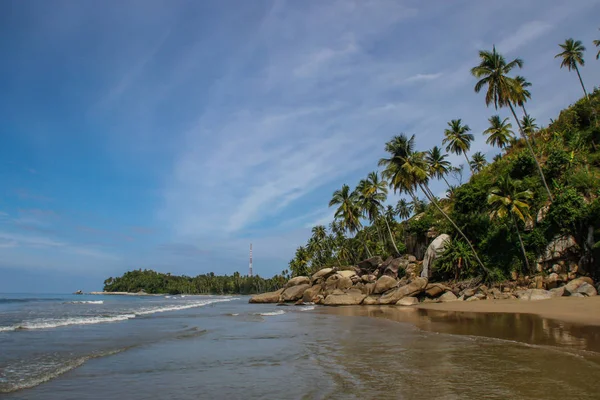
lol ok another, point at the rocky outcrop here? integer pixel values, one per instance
(299, 280)
(270, 297)
(370, 264)
(436, 248)
(558, 248)
(294, 293)
(571, 287)
(322, 274)
(384, 284)
(413, 288)
(371, 300)
(350, 298)
(311, 293)
(435, 289)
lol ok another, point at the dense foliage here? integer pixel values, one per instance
(156, 282)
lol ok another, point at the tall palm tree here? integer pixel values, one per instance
(499, 133)
(348, 211)
(508, 200)
(478, 161)
(529, 125)
(521, 92)
(438, 165)
(572, 55)
(492, 72)
(399, 147)
(412, 172)
(403, 209)
(458, 139)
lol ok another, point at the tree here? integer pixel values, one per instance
(411, 171)
(458, 139)
(403, 209)
(492, 72)
(529, 125)
(348, 211)
(478, 161)
(572, 55)
(521, 93)
(507, 200)
(597, 44)
(399, 147)
(499, 133)
(438, 165)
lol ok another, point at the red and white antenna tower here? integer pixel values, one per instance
(250, 269)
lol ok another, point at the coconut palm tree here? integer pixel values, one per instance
(412, 172)
(438, 165)
(403, 209)
(348, 211)
(507, 200)
(492, 72)
(399, 147)
(529, 125)
(597, 44)
(478, 161)
(521, 92)
(499, 133)
(458, 139)
(572, 55)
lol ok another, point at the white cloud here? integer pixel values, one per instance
(423, 77)
(524, 35)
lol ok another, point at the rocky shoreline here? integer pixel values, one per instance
(377, 282)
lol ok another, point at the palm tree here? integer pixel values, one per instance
(403, 209)
(572, 55)
(529, 125)
(478, 161)
(507, 200)
(411, 171)
(348, 211)
(438, 165)
(399, 148)
(493, 71)
(500, 132)
(597, 44)
(458, 138)
(521, 93)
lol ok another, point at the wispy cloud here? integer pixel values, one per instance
(423, 77)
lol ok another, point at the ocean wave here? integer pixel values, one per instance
(308, 308)
(27, 300)
(85, 302)
(56, 323)
(269, 314)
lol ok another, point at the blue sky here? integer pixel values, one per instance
(170, 135)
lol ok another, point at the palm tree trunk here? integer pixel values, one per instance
(521, 242)
(581, 81)
(468, 162)
(431, 198)
(391, 236)
(537, 163)
(524, 110)
(445, 180)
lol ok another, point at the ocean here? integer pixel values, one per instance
(213, 347)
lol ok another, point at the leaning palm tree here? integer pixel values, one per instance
(403, 209)
(521, 92)
(572, 55)
(411, 171)
(493, 72)
(438, 165)
(529, 125)
(348, 211)
(509, 201)
(478, 161)
(458, 139)
(499, 133)
(597, 44)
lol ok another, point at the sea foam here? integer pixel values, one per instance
(269, 314)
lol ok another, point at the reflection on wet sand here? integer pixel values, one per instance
(525, 328)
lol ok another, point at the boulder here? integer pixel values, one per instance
(551, 281)
(371, 300)
(558, 292)
(448, 296)
(572, 286)
(350, 298)
(413, 288)
(384, 284)
(534, 294)
(436, 248)
(587, 289)
(299, 280)
(413, 270)
(408, 301)
(344, 283)
(270, 297)
(79, 292)
(323, 274)
(370, 264)
(473, 298)
(391, 269)
(435, 289)
(538, 280)
(309, 294)
(347, 273)
(577, 295)
(294, 293)
(558, 248)
(469, 292)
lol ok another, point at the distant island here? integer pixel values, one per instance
(152, 282)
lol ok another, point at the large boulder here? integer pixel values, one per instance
(294, 293)
(413, 288)
(587, 289)
(436, 248)
(323, 274)
(384, 284)
(270, 297)
(534, 294)
(371, 300)
(408, 301)
(572, 286)
(558, 248)
(435, 289)
(350, 298)
(370, 264)
(299, 280)
(448, 296)
(391, 267)
(347, 273)
(557, 292)
(309, 294)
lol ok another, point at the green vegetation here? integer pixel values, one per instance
(159, 283)
(543, 184)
